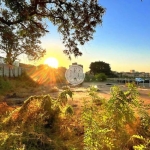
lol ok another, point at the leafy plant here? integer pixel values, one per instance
(96, 133)
(63, 96)
(109, 125)
(141, 142)
(44, 123)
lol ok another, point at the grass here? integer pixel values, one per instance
(9, 85)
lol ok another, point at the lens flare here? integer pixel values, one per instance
(46, 75)
(52, 62)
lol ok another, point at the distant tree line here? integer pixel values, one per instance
(99, 71)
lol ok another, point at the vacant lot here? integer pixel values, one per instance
(104, 89)
(71, 128)
(80, 93)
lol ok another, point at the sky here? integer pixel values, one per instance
(123, 39)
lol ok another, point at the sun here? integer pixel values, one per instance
(52, 62)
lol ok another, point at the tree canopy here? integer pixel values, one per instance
(15, 41)
(100, 67)
(75, 20)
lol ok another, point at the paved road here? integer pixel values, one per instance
(104, 87)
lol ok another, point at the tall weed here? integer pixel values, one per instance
(108, 126)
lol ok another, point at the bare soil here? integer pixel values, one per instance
(80, 93)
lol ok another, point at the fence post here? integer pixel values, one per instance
(3, 70)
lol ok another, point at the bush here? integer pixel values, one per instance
(36, 125)
(100, 77)
(89, 78)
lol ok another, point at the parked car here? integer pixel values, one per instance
(139, 80)
(146, 81)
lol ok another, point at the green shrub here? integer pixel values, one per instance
(89, 78)
(96, 133)
(100, 77)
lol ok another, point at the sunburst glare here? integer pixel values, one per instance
(52, 62)
(44, 74)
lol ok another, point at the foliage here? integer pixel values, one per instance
(42, 122)
(144, 142)
(89, 77)
(100, 67)
(110, 124)
(24, 78)
(63, 95)
(16, 40)
(98, 77)
(4, 109)
(96, 133)
(33, 125)
(75, 20)
(101, 77)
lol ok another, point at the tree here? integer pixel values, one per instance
(76, 20)
(14, 43)
(17, 39)
(100, 67)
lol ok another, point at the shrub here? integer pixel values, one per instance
(33, 125)
(100, 77)
(89, 78)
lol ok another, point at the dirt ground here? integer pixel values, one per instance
(80, 93)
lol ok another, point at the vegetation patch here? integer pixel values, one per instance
(119, 123)
(45, 123)
(40, 123)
